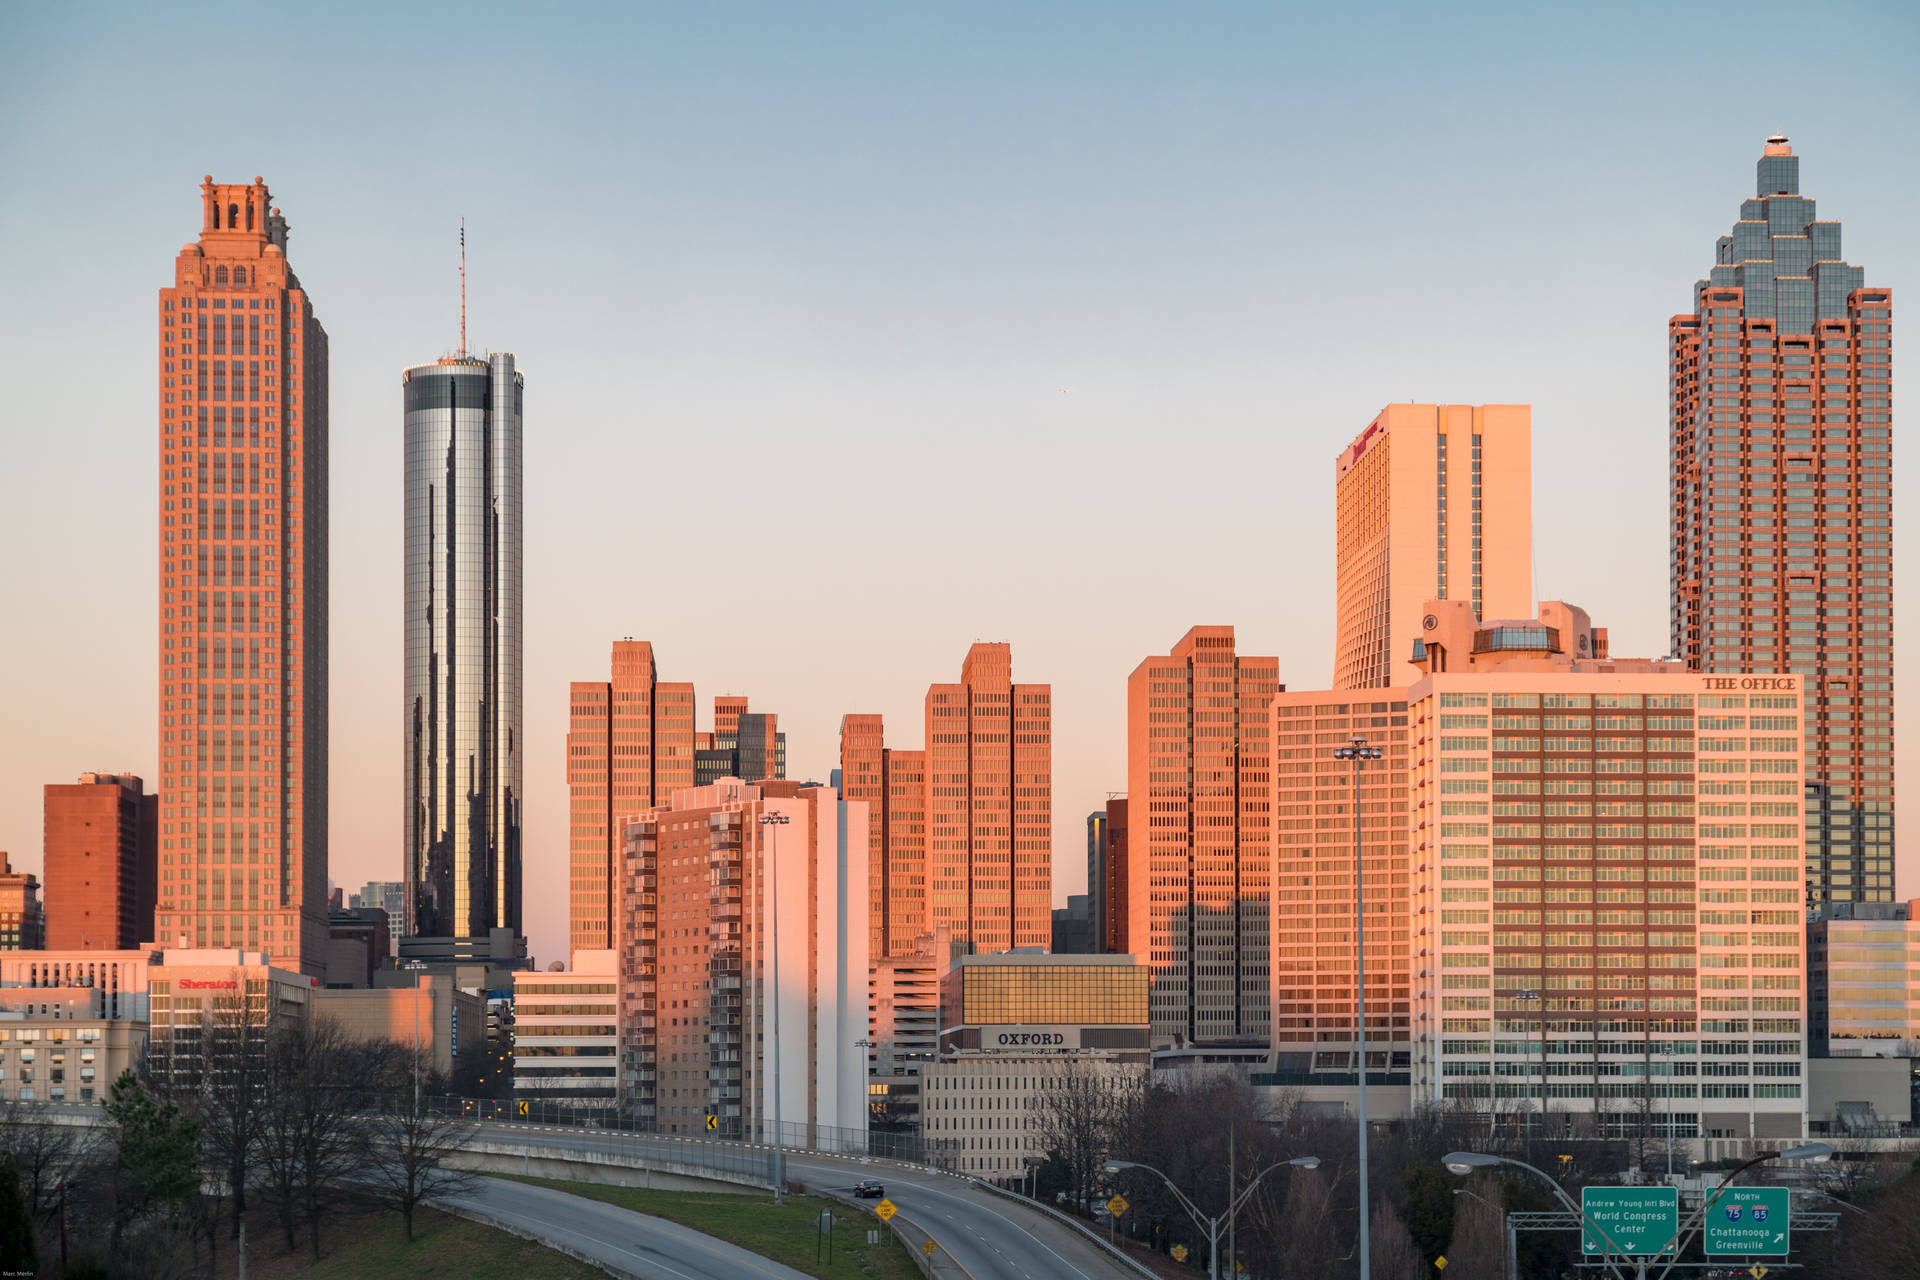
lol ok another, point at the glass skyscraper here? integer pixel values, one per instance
(463, 650)
(1782, 535)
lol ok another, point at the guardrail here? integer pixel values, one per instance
(1068, 1219)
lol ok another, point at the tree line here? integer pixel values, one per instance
(247, 1115)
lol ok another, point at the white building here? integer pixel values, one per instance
(566, 1033)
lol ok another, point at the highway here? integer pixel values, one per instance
(990, 1237)
(624, 1242)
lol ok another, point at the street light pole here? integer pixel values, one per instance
(1526, 1062)
(1359, 752)
(1506, 1225)
(1666, 1051)
(774, 821)
(1212, 1225)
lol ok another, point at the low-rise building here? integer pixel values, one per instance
(566, 1033)
(1863, 977)
(60, 1044)
(23, 924)
(903, 1027)
(438, 1021)
(196, 994)
(1022, 1027)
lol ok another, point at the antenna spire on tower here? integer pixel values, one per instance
(463, 286)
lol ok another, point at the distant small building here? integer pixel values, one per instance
(23, 925)
(1019, 1025)
(1863, 980)
(359, 944)
(1073, 927)
(566, 1033)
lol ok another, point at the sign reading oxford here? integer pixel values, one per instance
(1748, 1220)
(1638, 1220)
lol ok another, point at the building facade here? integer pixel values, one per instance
(744, 744)
(964, 838)
(1019, 1028)
(715, 886)
(1780, 397)
(566, 1033)
(1605, 905)
(462, 421)
(23, 925)
(903, 1035)
(1431, 501)
(1110, 922)
(1199, 859)
(102, 852)
(630, 746)
(1313, 1006)
(1863, 981)
(243, 591)
(67, 1049)
(389, 896)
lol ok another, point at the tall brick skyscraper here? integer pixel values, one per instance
(102, 851)
(630, 743)
(961, 834)
(243, 591)
(1782, 534)
(1199, 857)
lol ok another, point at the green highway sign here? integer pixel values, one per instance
(1748, 1220)
(1638, 1220)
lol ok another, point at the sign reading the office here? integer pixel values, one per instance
(1636, 1220)
(1747, 1220)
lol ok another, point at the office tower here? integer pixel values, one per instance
(745, 745)
(389, 896)
(1111, 925)
(1431, 501)
(243, 583)
(1096, 881)
(1605, 900)
(1863, 981)
(1198, 875)
(102, 850)
(1782, 442)
(22, 923)
(1314, 939)
(566, 1033)
(1073, 927)
(964, 838)
(630, 746)
(710, 894)
(463, 672)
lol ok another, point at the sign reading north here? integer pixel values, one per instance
(1636, 1220)
(1747, 1220)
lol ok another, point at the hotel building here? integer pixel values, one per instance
(1780, 397)
(1605, 908)
(102, 849)
(1199, 857)
(463, 671)
(1431, 501)
(711, 884)
(630, 746)
(243, 591)
(963, 831)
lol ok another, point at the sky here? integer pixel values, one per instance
(853, 334)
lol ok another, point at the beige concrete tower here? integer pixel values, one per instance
(1433, 501)
(243, 591)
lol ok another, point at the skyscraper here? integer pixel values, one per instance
(463, 640)
(1782, 534)
(1199, 866)
(630, 745)
(1432, 501)
(102, 838)
(243, 591)
(963, 829)
(747, 745)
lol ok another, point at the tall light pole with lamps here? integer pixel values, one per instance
(1212, 1225)
(1359, 752)
(773, 822)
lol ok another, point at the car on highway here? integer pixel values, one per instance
(868, 1189)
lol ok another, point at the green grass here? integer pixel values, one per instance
(373, 1246)
(786, 1234)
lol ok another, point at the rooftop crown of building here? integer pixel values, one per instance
(1562, 638)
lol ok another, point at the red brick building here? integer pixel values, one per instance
(102, 851)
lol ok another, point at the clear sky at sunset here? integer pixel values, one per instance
(855, 333)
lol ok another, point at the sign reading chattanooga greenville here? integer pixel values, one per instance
(1029, 1037)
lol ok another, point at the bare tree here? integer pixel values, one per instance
(48, 1156)
(1394, 1257)
(1075, 1122)
(404, 1158)
(223, 1082)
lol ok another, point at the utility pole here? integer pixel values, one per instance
(773, 822)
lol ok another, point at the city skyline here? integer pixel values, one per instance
(1106, 426)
